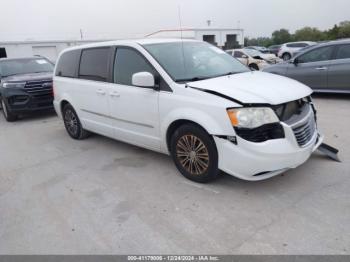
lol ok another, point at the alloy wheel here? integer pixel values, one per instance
(192, 154)
(71, 122)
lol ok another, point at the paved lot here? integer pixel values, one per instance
(102, 196)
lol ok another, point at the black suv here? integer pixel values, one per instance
(25, 86)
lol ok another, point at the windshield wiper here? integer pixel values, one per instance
(193, 79)
(198, 78)
(227, 74)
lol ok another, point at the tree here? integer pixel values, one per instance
(309, 34)
(332, 34)
(281, 36)
(344, 29)
(260, 41)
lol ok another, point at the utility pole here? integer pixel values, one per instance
(81, 34)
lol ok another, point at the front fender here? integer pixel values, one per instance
(220, 125)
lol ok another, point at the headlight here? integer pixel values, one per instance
(252, 117)
(14, 85)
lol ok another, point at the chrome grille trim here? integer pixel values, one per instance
(304, 129)
(37, 88)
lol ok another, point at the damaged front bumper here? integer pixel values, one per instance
(259, 161)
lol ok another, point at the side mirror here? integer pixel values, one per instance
(143, 79)
(295, 61)
(244, 56)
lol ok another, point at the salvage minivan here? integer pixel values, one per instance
(188, 99)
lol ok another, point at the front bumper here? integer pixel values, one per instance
(258, 161)
(19, 101)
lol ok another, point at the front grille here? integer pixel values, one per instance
(39, 89)
(304, 126)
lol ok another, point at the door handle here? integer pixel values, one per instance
(100, 92)
(322, 68)
(114, 94)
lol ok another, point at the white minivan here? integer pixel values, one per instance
(188, 99)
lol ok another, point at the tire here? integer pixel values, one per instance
(253, 67)
(10, 117)
(73, 124)
(286, 57)
(201, 165)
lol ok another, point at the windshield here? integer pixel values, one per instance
(24, 66)
(191, 61)
(252, 52)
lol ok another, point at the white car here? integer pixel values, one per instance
(190, 100)
(254, 59)
(287, 50)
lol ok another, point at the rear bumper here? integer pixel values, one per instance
(19, 101)
(258, 161)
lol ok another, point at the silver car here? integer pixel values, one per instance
(324, 67)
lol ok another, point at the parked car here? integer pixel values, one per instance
(25, 86)
(269, 58)
(190, 100)
(324, 68)
(274, 49)
(252, 58)
(261, 49)
(287, 50)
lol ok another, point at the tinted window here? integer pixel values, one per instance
(238, 54)
(94, 64)
(316, 55)
(298, 45)
(127, 63)
(68, 64)
(343, 52)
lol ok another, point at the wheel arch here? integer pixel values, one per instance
(175, 125)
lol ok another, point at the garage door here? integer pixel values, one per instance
(50, 52)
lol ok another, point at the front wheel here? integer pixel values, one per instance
(194, 153)
(7, 114)
(73, 124)
(253, 67)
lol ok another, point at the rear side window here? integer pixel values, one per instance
(127, 63)
(298, 45)
(68, 64)
(238, 54)
(317, 55)
(94, 64)
(343, 52)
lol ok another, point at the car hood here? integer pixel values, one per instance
(255, 88)
(268, 56)
(28, 77)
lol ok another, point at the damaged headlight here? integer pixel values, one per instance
(256, 124)
(252, 117)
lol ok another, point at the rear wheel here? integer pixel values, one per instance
(7, 114)
(286, 56)
(73, 124)
(194, 153)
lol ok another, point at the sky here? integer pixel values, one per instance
(116, 19)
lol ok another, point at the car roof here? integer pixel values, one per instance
(299, 42)
(127, 42)
(329, 43)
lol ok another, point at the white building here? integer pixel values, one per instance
(48, 49)
(224, 38)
